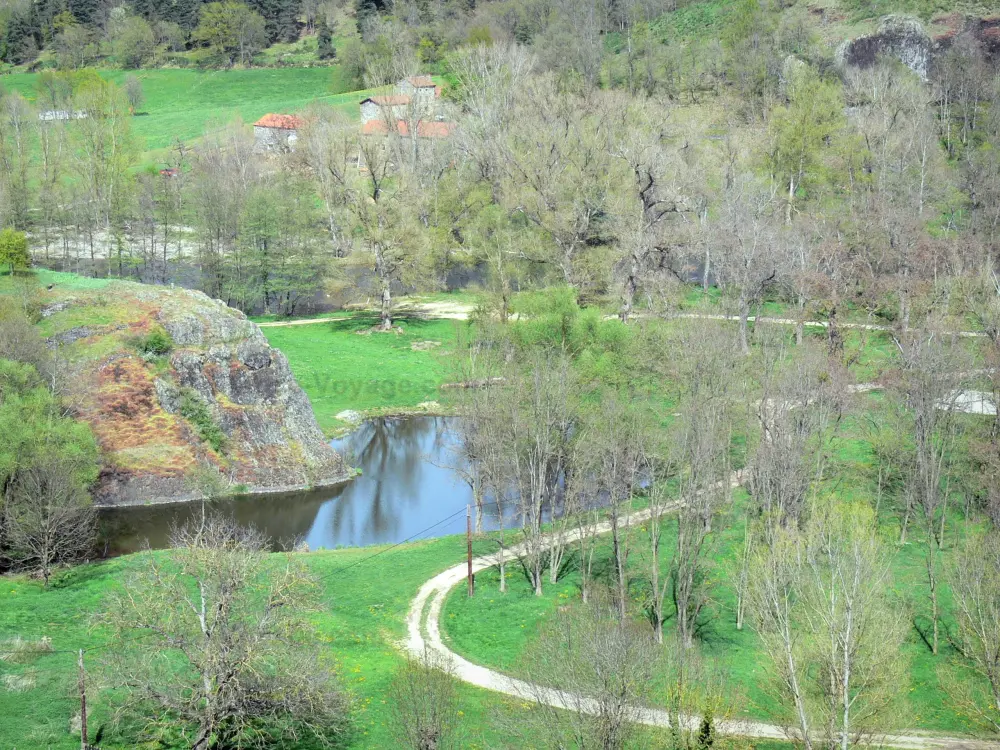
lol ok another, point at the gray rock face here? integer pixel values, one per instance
(901, 37)
(223, 365)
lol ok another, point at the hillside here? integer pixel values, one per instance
(184, 395)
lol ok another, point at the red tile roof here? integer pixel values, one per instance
(284, 122)
(434, 129)
(392, 100)
(425, 129)
(421, 82)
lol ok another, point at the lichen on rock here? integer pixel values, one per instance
(155, 443)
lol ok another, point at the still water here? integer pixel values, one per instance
(407, 484)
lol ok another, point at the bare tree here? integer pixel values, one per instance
(746, 258)
(615, 457)
(214, 638)
(932, 372)
(817, 598)
(48, 518)
(600, 666)
(704, 491)
(652, 216)
(488, 77)
(424, 704)
(975, 584)
(800, 402)
(536, 422)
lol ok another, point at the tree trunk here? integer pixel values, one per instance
(619, 554)
(744, 314)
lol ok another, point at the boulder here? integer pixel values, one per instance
(901, 37)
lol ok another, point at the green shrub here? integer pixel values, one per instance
(156, 343)
(197, 413)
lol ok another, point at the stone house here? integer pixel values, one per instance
(277, 132)
(387, 107)
(421, 89)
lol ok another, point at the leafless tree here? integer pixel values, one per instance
(933, 369)
(556, 174)
(614, 457)
(746, 258)
(817, 599)
(651, 217)
(424, 704)
(600, 667)
(799, 403)
(488, 77)
(704, 492)
(975, 584)
(214, 639)
(536, 426)
(48, 518)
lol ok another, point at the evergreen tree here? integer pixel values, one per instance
(324, 40)
(706, 734)
(19, 40)
(85, 11)
(280, 18)
(365, 9)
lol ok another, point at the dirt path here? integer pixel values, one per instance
(462, 311)
(435, 310)
(424, 633)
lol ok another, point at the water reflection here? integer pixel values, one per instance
(407, 484)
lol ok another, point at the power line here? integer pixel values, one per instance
(394, 546)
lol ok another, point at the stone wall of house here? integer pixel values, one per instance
(370, 111)
(270, 139)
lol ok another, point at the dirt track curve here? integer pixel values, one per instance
(424, 634)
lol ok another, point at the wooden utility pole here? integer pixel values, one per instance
(468, 539)
(82, 684)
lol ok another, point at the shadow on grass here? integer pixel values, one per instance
(365, 321)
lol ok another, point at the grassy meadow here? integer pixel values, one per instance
(362, 620)
(184, 104)
(342, 365)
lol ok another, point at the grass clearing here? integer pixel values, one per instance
(362, 619)
(341, 365)
(184, 104)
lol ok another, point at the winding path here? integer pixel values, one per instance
(424, 634)
(461, 311)
(423, 619)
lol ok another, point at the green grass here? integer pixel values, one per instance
(494, 629)
(44, 277)
(183, 104)
(340, 369)
(362, 621)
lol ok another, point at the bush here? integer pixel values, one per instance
(196, 412)
(156, 343)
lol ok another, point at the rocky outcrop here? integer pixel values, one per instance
(219, 411)
(901, 37)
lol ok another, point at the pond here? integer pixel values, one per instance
(406, 486)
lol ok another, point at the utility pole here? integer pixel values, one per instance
(82, 684)
(468, 539)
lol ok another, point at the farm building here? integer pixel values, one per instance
(421, 89)
(277, 132)
(415, 101)
(388, 107)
